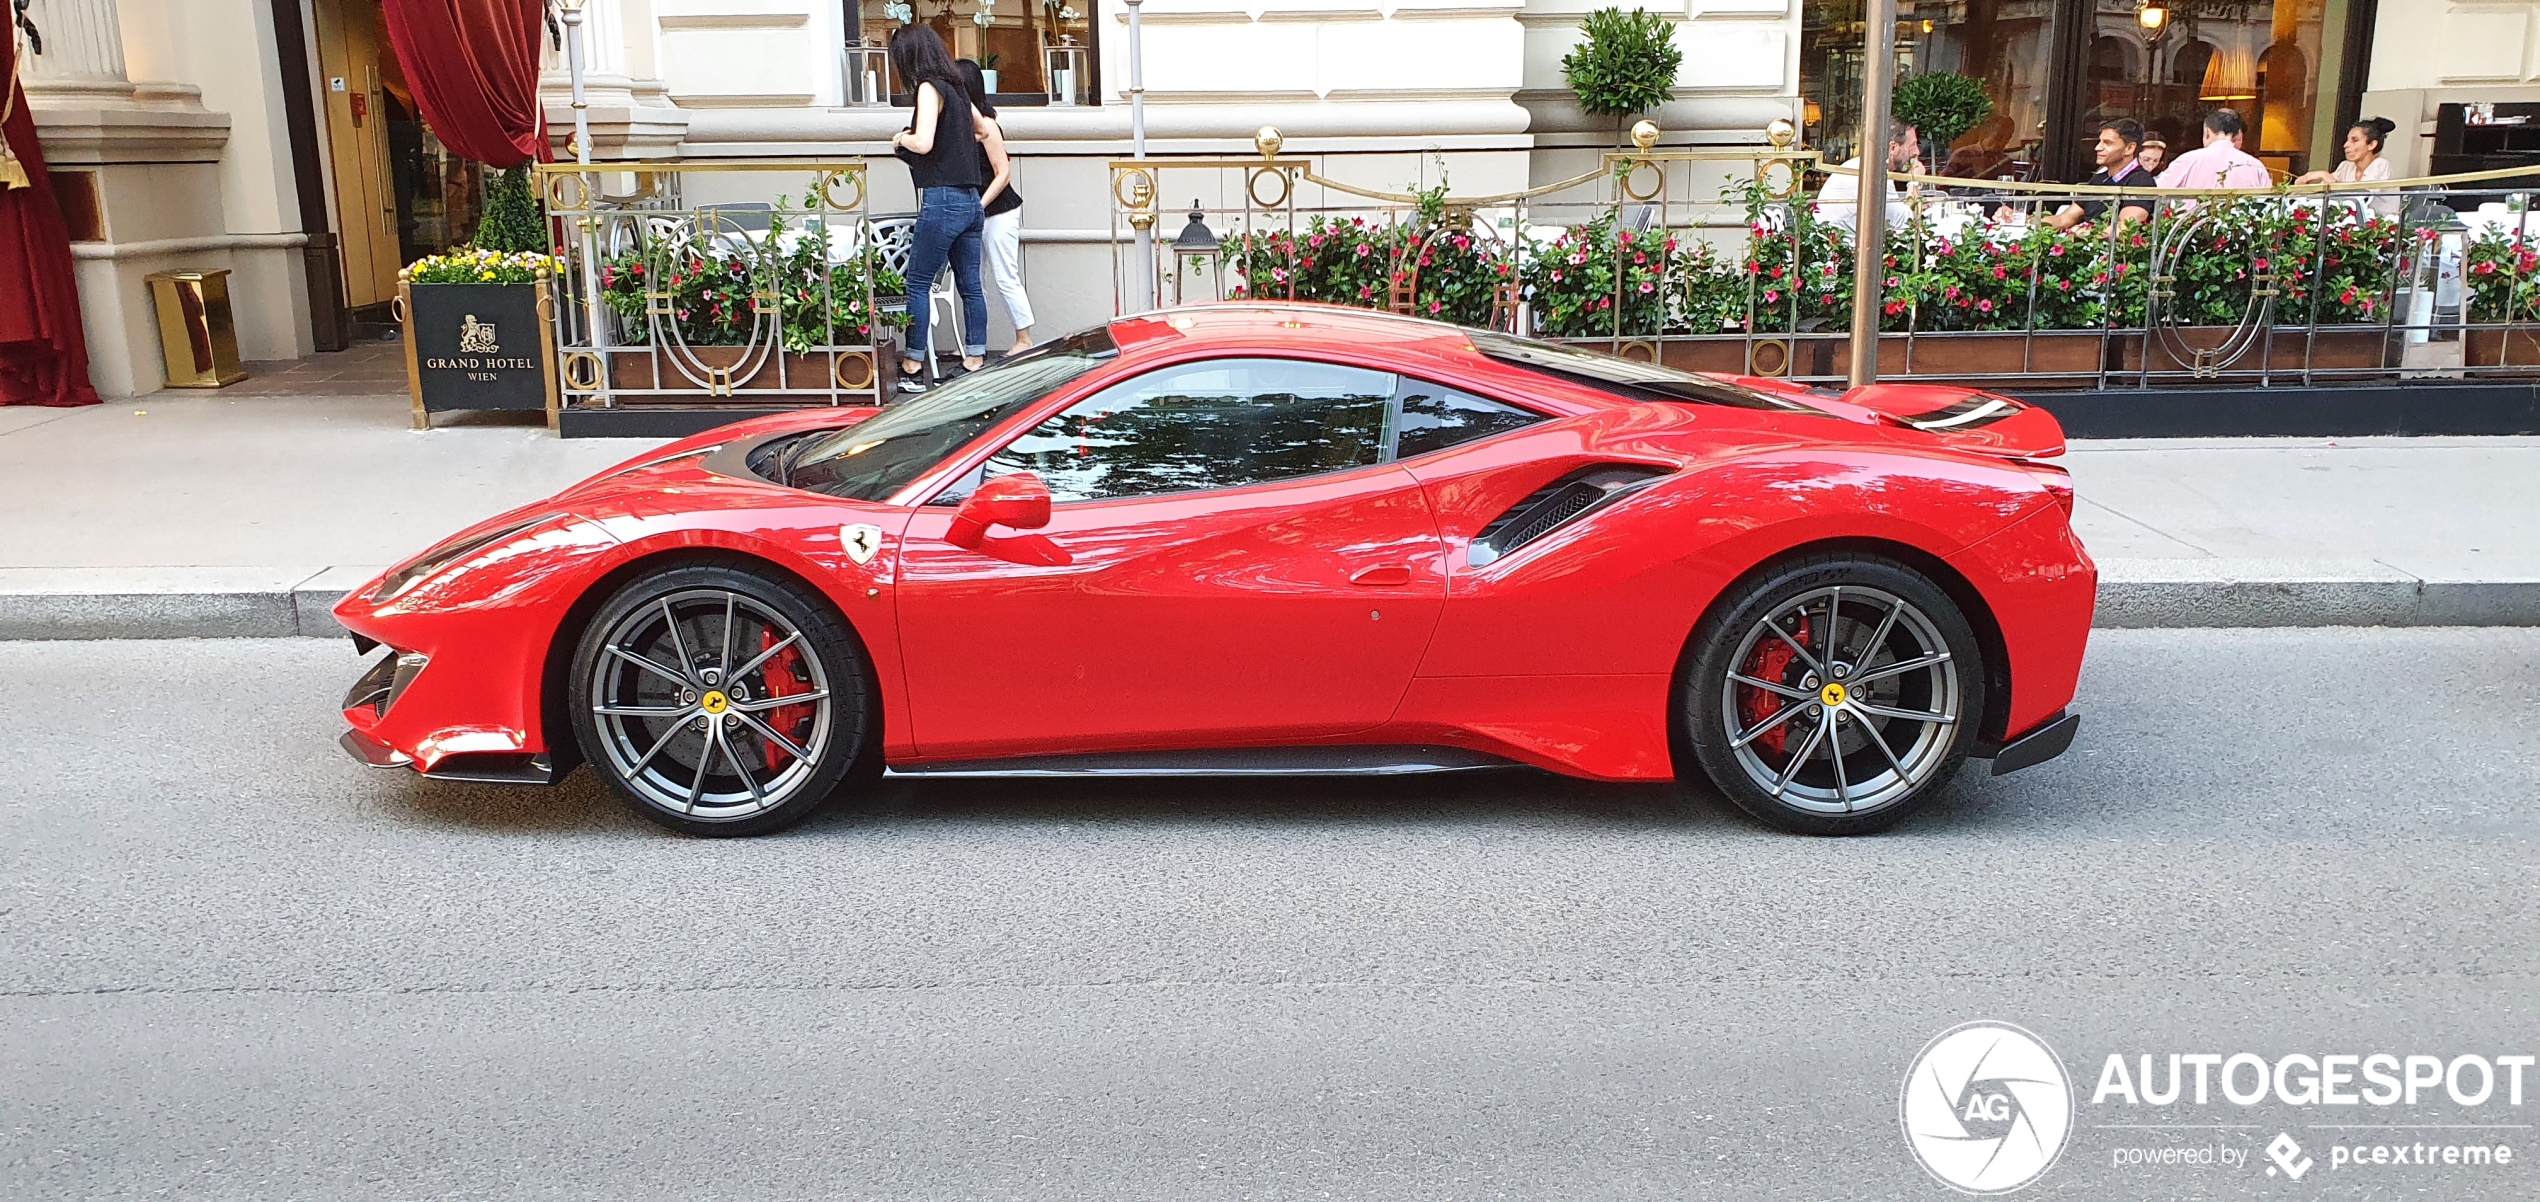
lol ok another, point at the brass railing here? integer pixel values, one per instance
(669, 301)
(1717, 259)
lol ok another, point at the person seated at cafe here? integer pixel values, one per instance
(2120, 141)
(2220, 163)
(1839, 201)
(2155, 152)
(2364, 163)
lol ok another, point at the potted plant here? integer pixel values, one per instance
(1943, 106)
(475, 331)
(988, 70)
(1625, 64)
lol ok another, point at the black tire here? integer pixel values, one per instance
(1745, 738)
(681, 750)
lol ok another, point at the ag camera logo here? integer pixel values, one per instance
(1986, 1108)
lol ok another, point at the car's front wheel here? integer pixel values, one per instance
(1832, 694)
(718, 700)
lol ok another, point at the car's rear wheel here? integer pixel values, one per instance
(720, 701)
(1831, 695)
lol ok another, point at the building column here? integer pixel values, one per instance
(82, 61)
(628, 118)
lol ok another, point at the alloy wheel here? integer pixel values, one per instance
(710, 704)
(1842, 700)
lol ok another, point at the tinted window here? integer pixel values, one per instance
(1435, 417)
(1225, 423)
(1627, 377)
(871, 461)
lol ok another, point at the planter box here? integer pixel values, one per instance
(646, 375)
(477, 346)
(2507, 351)
(2328, 348)
(2049, 359)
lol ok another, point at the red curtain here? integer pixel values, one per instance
(473, 65)
(43, 353)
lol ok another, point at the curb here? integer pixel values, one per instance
(2140, 594)
(174, 603)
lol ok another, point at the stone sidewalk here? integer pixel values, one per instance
(224, 515)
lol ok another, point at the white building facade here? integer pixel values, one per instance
(274, 138)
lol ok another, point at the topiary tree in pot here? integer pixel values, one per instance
(512, 223)
(1942, 106)
(1625, 63)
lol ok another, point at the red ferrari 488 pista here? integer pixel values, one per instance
(1253, 538)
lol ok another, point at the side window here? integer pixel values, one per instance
(1223, 423)
(1435, 417)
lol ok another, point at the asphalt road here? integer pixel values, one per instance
(233, 964)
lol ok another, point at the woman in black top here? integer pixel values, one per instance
(1004, 207)
(941, 148)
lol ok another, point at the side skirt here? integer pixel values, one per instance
(1263, 761)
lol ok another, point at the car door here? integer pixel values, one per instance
(1230, 559)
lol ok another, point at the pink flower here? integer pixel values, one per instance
(1771, 295)
(1638, 257)
(1362, 250)
(2056, 250)
(1646, 286)
(1985, 306)
(1556, 277)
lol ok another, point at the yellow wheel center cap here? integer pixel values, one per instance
(1831, 695)
(714, 702)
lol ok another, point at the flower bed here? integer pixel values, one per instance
(711, 290)
(1599, 280)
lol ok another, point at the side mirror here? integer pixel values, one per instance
(1019, 501)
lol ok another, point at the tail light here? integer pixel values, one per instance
(2056, 480)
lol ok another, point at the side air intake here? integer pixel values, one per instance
(1555, 505)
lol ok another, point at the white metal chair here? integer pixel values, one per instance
(893, 237)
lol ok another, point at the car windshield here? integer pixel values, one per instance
(1629, 377)
(869, 462)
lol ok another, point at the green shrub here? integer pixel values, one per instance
(513, 222)
(1942, 106)
(1625, 62)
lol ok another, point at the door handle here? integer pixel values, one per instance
(1383, 575)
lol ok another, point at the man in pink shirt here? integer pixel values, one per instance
(2221, 163)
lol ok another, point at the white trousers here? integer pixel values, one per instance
(1002, 240)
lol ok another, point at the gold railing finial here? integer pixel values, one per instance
(1645, 135)
(1781, 133)
(1268, 140)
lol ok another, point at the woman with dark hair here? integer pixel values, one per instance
(2364, 163)
(1003, 227)
(941, 148)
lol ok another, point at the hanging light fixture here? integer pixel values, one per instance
(2154, 16)
(2231, 74)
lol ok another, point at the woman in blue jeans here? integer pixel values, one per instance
(941, 148)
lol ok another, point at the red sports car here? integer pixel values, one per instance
(1266, 539)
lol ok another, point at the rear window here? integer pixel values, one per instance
(1628, 378)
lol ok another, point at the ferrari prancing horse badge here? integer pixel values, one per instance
(861, 541)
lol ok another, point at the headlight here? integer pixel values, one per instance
(403, 580)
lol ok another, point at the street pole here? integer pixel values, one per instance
(1869, 243)
(1138, 149)
(585, 231)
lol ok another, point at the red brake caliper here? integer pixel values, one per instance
(1769, 662)
(781, 677)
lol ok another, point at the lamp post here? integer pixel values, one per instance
(1142, 222)
(1196, 239)
(1869, 242)
(586, 232)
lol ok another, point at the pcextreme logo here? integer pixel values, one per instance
(1986, 1108)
